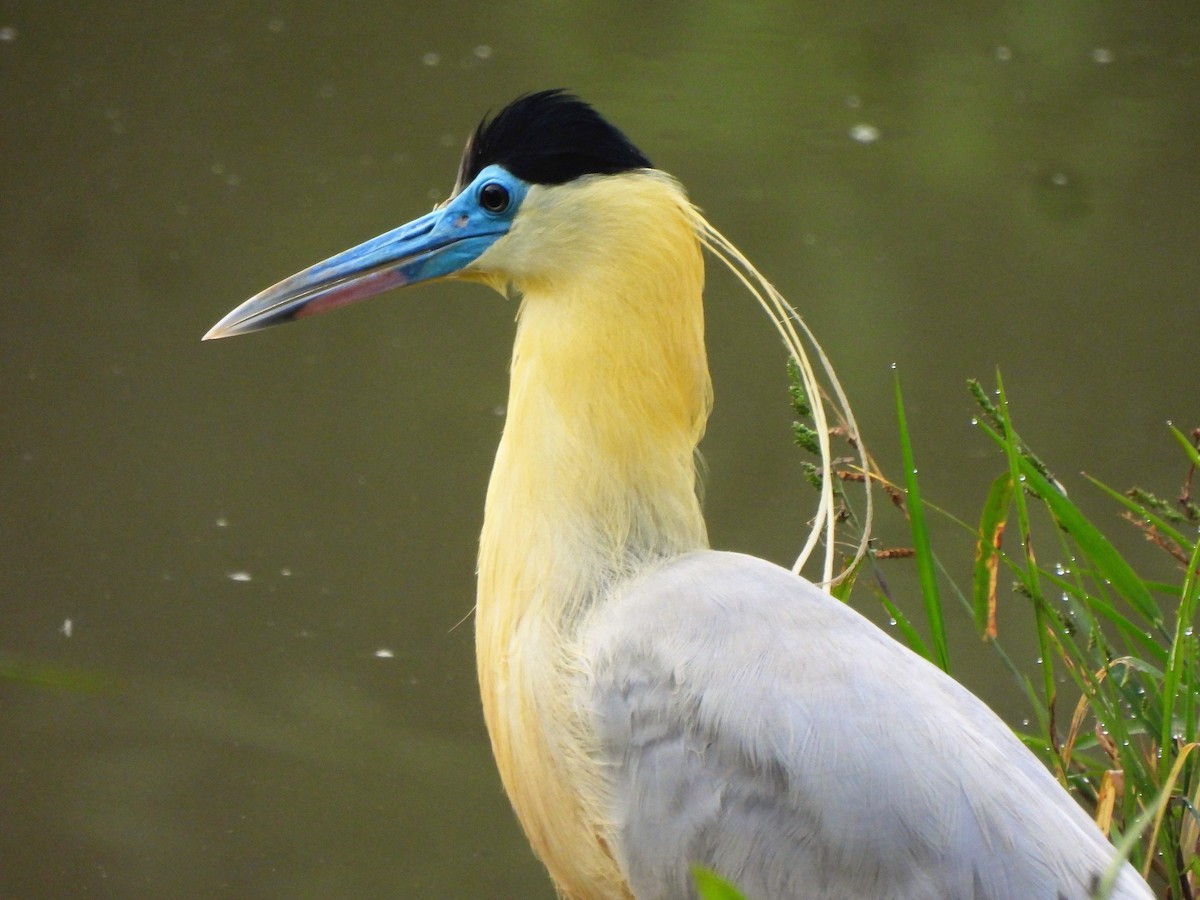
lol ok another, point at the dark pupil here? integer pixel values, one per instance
(494, 197)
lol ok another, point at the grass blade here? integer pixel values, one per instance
(926, 569)
(987, 554)
(915, 642)
(1108, 562)
(711, 886)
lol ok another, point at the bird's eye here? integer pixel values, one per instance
(494, 197)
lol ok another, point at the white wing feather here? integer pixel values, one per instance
(749, 722)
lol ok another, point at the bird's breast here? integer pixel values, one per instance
(539, 738)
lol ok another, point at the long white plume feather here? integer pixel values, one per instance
(799, 340)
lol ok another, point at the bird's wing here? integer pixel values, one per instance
(749, 722)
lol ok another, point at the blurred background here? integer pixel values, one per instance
(236, 578)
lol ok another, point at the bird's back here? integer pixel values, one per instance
(749, 722)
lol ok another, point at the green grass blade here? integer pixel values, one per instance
(1178, 670)
(1013, 453)
(1188, 447)
(844, 585)
(991, 526)
(1091, 603)
(1107, 561)
(926, 569)
(1125, 847)
(712, 886)
(915, 642)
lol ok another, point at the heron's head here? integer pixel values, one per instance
(539, 196)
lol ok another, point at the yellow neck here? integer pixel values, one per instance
(594, 481)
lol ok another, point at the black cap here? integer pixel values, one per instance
(550, 137)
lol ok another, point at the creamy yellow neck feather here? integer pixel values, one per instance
(594, 479)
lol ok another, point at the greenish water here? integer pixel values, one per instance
(264, 547)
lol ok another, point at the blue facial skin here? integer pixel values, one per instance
(436, 245)
(459, 232)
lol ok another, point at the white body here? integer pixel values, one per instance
(749, 720)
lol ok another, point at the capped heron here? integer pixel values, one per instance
(652, 703)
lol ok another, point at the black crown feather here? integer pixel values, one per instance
(550, 137)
